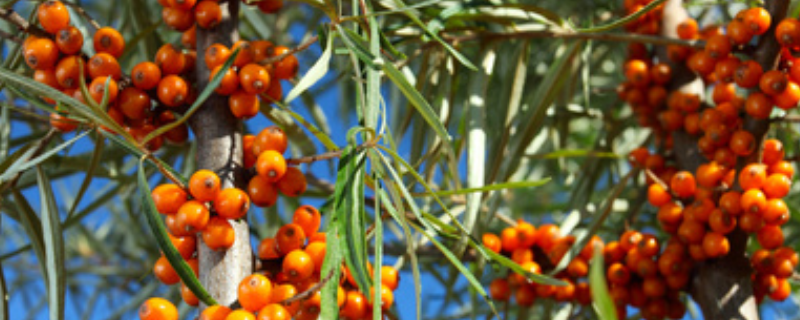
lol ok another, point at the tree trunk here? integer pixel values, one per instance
(219, 148)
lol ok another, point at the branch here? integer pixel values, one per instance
(79, 9)
(301, 47)
(23, 25)
(566, 34)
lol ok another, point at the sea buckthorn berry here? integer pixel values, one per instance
(499, 289)
(229, 83)
(177, 229)
(177, 135)
(146, 75)
(168, 198)
(186, 246)
(670, 213)
(758, 105)
(41, 54)
(271, 165)
(748, 74)
(773, 82)
(788, 33)
(618, 274)
(134, 103)
(189, 38)
(710, 174)
(271, 138)
(770, 237)
(243, 105)
(660, 73)
(287, 67)
(216, 55)
(753, 201)
(715, 245)
(104, 64)
(630, 239)
(274, 311)
(308, 218)
(718, 46)
(702, 63)
(97, 89)
(355, 306)
(782, 167)
(753, 176)
(254, 78)
(293, 183)
(788, 98)
(69, 40)
(254, 292)
(164, 272)
(47, 77)
(777, 213)
(721, 221)
(725, 68)
(526, 233)
(262, 192)
(509, 239)
(261, 49)
(578, 268)
(232, 203)
(316, 250)
(757, 19)
(723, 92)
(158, 309)
(241, 314)
(772, 152)
(188, 296)
(193, 214)
(270, 6)
(298, 265)
(249, 158)
(245, 55)
(219, 234)
(688, 29)
(216, 312)
(110, 41)
(173, 91)
(204, 185)
(179, 20)
(751, 222)
(207, 14)
(170, 60)
(638, 156)
(290, 237)
(683, 184)
(53, 16)
(777, 185)
(637, 73)
(267, 249)
(62, 123)
(546, 236)
(691, 231)
(739, 33)
(492, 242)
(742, 143)
(318, 237)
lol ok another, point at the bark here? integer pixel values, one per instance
(219, 148)
(723, 287)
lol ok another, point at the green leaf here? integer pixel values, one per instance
(28, 163)
(625, 20)
(331, 264)
(207, 92)
(3, 294)
(492, 187)
(24, 152)
(321, 136)
(601, 300)
(87, 180)
(53, 245)
(508, 263)
(162, 238)
(33, 227)
(138, 153)
(317, 71)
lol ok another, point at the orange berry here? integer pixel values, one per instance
(273, 311)
(254, 78)
(146, 75)
(753, 176)
(290, 237)
(758, 105)
(207, 14)
(715, 245)
(271, 165)
(267, 249)
(718, 46)
(104, 64)
(748, 74)
(770, 237)
(188, 296)
(134, 103)
(254, 292)
(97, 89)
(788, 98)
(168, 198)
(270, 6)
(293, 182)
(492, 242)
(757, 19)
(241, 314)
(186, 246)
(262, 192)
(657, 195)
(742, 143)
(110, 41)
(271, 138)
(546, 236)
(41, 53)
(753, 201)
(219, 234)
(216, 312)
(782, 167)
(688, 29)
(193, 214)
(243, 105)
(285, 291)
(204, 185)
(287, 67)
(216, 55)
(308, 218)
(510, 239)
(173, 91)
(164, 272)
(69, 40)
(788, 33)
(739, 33)
(777, 186)
(316, 250)
(53, 16)
(773, 82)
(229, 83)
(772, 152)
(170, 60)
(355, 306)
(683, 184)
(232, 203)
(298, 265)
(158, 309)
(189, 38)
(180, 20)
(776, 213)
(618, 274)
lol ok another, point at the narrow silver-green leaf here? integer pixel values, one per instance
(162, 238)
(28, 163)
(331, 265)
(138, 153)
(601, 300)
(317, 71)
(538, 278)
(53, 245)
(491, 187)
(87, 180)
(32, 225)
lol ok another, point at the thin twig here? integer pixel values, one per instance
(565, 34)
(23, 25)
(305, 294)
(327, 155)
(39, 148)
(84, 14)
(301, 47)
(10, 37)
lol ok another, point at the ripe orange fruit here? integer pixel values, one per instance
(274, 312)
(308, 218)
(53, 16)
(164, 272)
(216, 55)
(262, 192)
(186, 246)
(241, 314)
(207, 14)
(109, 40)
(499, 289)
(267, 249)
(271, 165)
(298, 265)
(193, 214)
(243, 105)
(271, 138)
(173, 91)
(355, 306)
(146, 75)
(232, 203)
(168, 198)
(316, 250)
(69, 40)
(287, 67)
(158, 309)
(230, 81)
(254, 292)
(293, 183)
(170, 60)
(290, 237)
(180, 20)
(683, 184)
(97, 89)
(254, 78)
(219, 234)
(216, 312)
(41, 53)
(188, 296)
(492, 242)
(204, 185)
